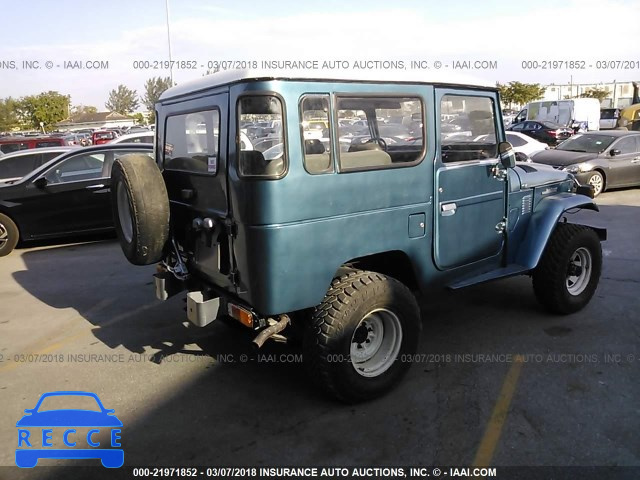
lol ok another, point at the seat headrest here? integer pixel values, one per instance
(313, 147)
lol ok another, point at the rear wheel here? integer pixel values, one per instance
(359, 342)
(597, 181)
(9, 235)
(568, 273)
(140, 208)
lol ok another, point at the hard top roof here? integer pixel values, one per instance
(385, 76)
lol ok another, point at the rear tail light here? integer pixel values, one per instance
(553, 133)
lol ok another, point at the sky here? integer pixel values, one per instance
(129, 40)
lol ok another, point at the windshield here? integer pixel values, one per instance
(587, 143)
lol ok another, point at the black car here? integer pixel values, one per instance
(547, 132)
(605, 160)
(66, 196)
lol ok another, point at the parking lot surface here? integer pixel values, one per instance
(497, 381)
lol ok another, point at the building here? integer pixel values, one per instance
(96, 121)
(620, 93)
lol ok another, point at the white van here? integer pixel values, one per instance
(568, 113)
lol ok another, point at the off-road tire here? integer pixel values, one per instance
(140, 206)
(329, 335)
(550, 276)
(9, 235)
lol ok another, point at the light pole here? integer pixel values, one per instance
(166, 3)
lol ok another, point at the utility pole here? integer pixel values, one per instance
(166, 3)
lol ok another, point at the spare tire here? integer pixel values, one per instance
(140, 206)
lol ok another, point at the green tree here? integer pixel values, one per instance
(122, 100)
(82, 110)
(47, 107)
(153, 88)
(520, 93)
(139, 118)
(599, 93)
(8, 114)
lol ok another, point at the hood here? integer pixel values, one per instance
(562, 158)
(69, 418)
(535, 174)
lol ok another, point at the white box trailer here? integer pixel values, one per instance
(568, 113)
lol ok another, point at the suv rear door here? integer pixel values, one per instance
(193, 148)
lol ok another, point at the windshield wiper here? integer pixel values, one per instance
(572, 150)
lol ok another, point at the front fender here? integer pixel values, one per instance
(543, 222)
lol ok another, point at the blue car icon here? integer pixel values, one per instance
(40, 420)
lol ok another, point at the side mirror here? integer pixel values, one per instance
(614, 152)
(507, 155)
(41, 182)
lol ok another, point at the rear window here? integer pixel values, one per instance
(192, 142)
(266, 157)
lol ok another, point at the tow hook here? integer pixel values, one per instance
(273, 331)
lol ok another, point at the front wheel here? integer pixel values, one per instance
(360, 339)
(9, 235)
(568, 273)
(596, 180)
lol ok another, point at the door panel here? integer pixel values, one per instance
(470, 201)
(195, 136)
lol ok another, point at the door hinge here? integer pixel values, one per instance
(232, 227)
(234, 277)
(501, 226)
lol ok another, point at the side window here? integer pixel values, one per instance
(626, 145)
(13, 147)
(262, 150)
(314, 116)
(17, 167)
(531, 126)
(192, 142)
(77, 168)
(392, 134)
(471, 132)
(517, 127)
(45, 157)
(48, 143)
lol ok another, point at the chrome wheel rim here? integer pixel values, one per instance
(376, 342)
(124, 213)
(4, 235)
(579, 271)
(596, 181)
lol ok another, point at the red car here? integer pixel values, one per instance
(104, 136)
(13, 144)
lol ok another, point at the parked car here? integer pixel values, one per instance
(13, 144)
(521, 143)
(609, 159)
(137, 137)
(14, 166)
(68, 195)
(103, 136)
(330, 244)
(547, 132)
(609, 118)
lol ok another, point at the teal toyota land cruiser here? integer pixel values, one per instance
(320, 206)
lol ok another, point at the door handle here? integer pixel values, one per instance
(95, 187)
(448, 209)
(636, 160)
